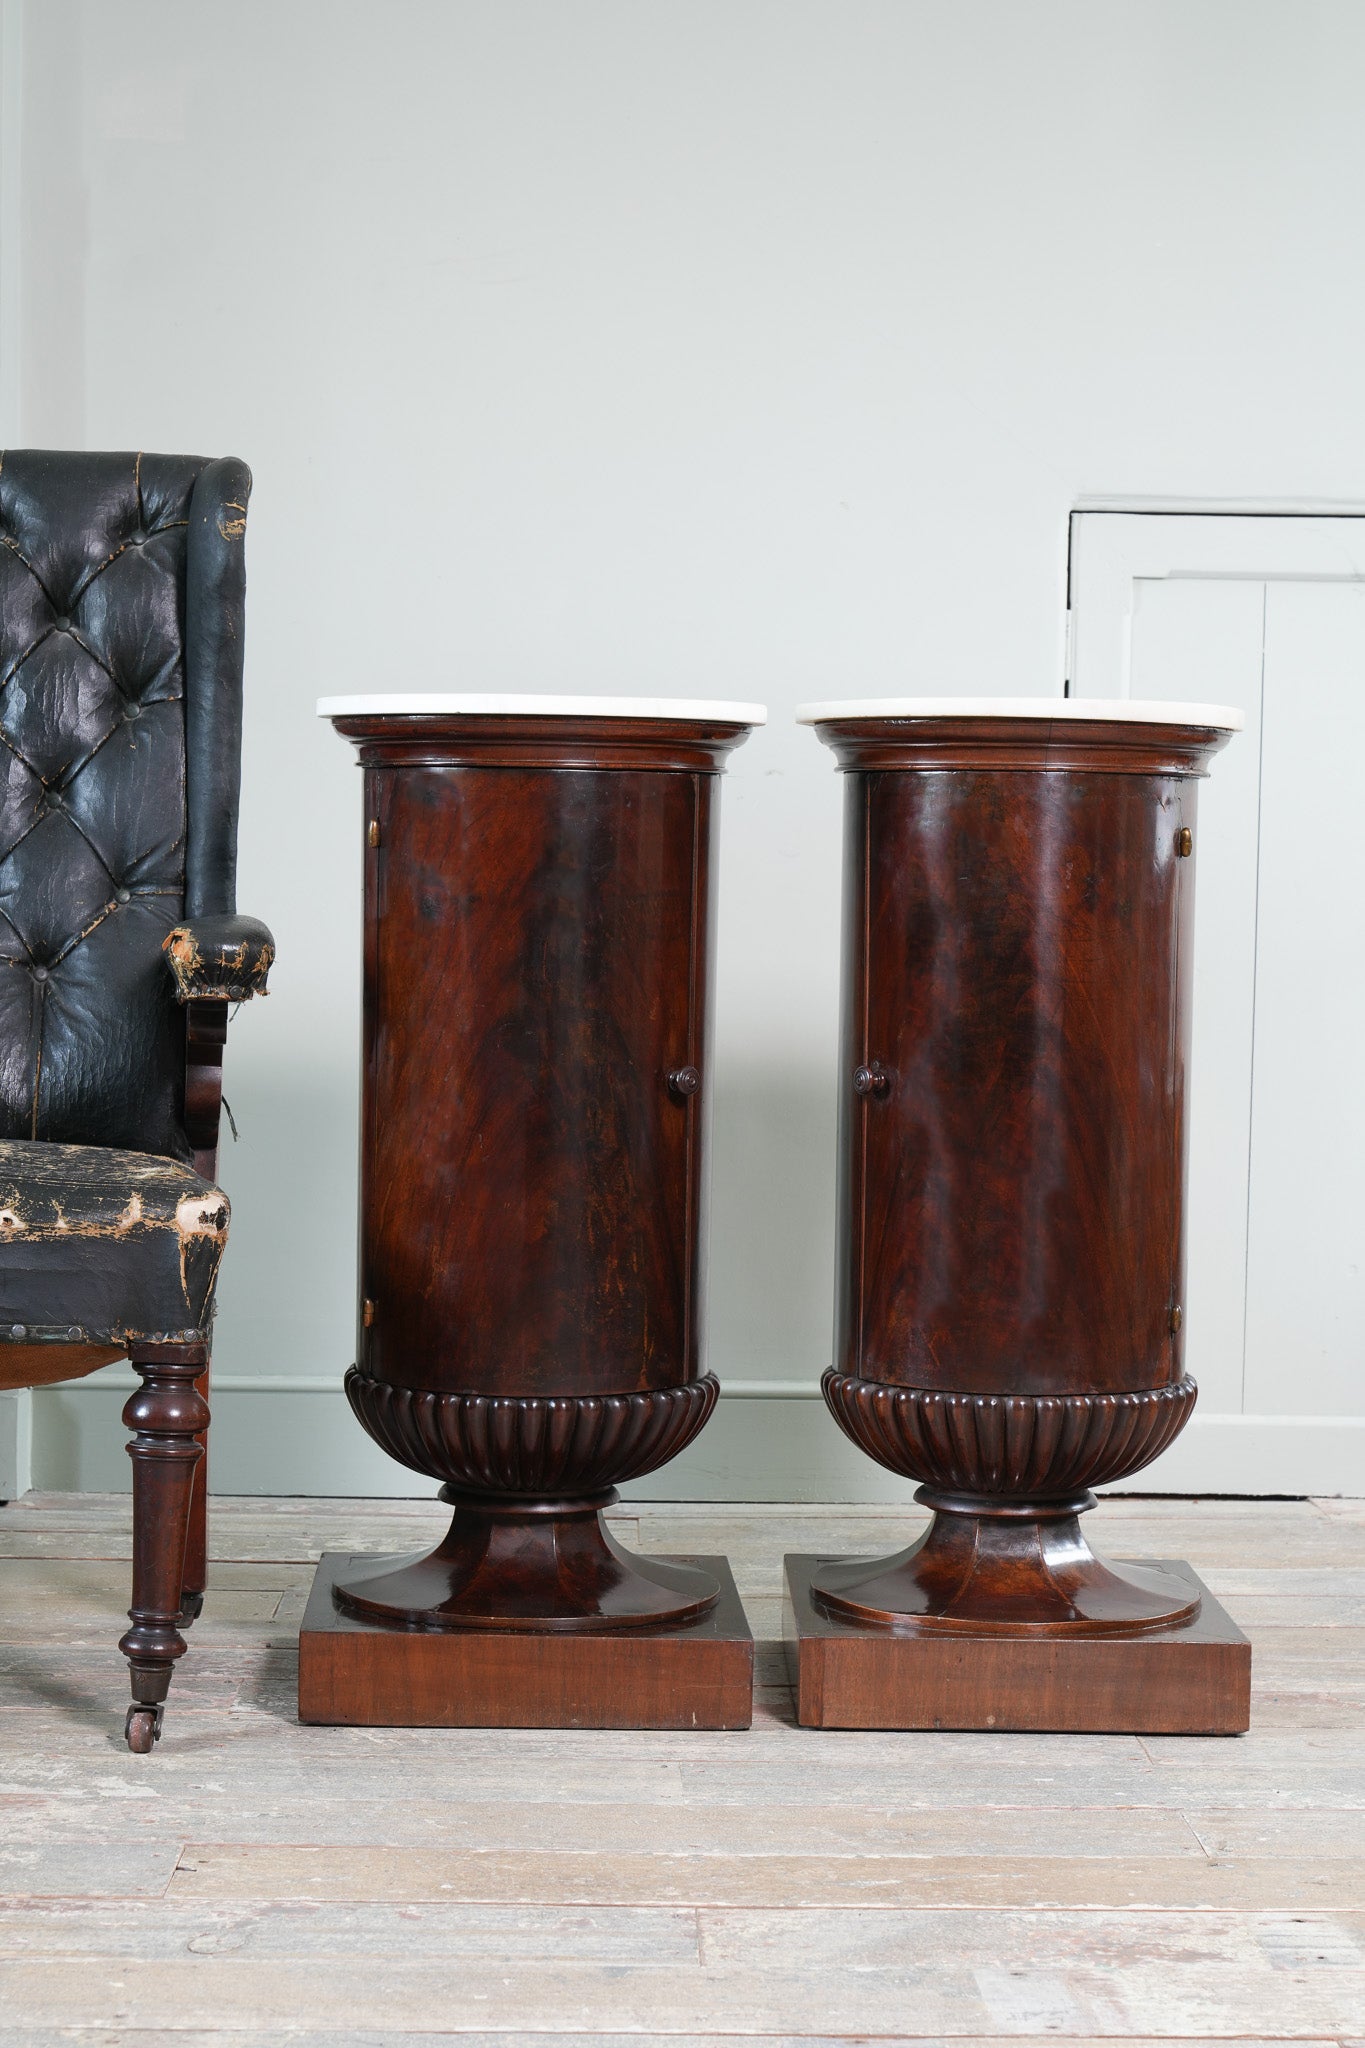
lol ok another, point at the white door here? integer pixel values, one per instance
(1267, 613)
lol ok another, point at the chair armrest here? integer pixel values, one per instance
(227, 958)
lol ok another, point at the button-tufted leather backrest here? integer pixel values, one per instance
(121, 603)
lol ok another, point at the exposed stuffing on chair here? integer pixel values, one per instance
(226, 957)
(99, 1226)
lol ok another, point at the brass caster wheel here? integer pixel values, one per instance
(142, 1729)
(191, 1607)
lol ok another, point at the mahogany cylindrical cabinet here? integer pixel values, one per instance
(1019, 894)
(538, 936)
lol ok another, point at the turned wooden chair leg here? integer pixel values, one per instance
(166, 1416)
(197, 1542)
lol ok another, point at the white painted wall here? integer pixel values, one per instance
(738, 347)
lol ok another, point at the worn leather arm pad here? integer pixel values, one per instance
(226, 957)
(215, 596)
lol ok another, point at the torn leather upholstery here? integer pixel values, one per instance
(104, 1248)
(227, 957)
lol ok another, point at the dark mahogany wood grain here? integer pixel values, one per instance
(362, 1673)
(168, 1416)
(1010, 1261)
(538, 934)
(548, 1567)
(530, 1204)
(206, 1024)
(1189, 1679)
(1018, 981)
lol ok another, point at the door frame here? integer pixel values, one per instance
(1111, 544)
(1276, 543)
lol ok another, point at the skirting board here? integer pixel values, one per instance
(16, 1442)
(298, 1436)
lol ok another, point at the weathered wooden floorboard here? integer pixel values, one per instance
(247, 1822)
(717, 1877)
(1204, 1994)
(479, 2037)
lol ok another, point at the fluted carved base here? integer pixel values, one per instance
(527, 1444)
(1017, 1446)
(1008, 1477)
(528, 1477)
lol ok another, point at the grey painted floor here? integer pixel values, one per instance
(255, 1881)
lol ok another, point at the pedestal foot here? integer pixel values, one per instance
(991, 1567)
(549, 1566)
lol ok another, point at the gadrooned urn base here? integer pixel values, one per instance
(538, 1445)
(1015, 1446)
(1007, 1477)
(528, 1477)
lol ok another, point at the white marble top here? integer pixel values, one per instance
(1121, 710)
(438, 705)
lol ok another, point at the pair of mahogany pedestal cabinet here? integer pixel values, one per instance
(538, 937)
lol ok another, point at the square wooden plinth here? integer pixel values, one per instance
(361, 1674)
(1181, 1681)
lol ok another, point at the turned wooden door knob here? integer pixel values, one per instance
(684, 1081)
(873, 1080)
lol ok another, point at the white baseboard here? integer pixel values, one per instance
(16, 1465)
(768, 1441)
(1320, 1454)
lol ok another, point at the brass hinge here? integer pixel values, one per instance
(373, 834)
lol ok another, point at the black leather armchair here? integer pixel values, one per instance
(121, 613)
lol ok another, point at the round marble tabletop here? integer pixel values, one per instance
(440, 705)
(1119, 710)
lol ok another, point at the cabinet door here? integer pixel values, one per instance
(536, 953)
(1018, 1216)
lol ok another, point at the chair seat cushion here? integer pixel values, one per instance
(104, 1247)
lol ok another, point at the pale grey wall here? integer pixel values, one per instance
(708, 347)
